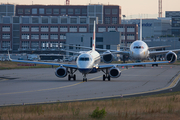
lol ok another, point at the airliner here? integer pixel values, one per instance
(138, 51)
(88, 62)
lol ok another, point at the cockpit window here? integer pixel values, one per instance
(83, 59)
(138, 47)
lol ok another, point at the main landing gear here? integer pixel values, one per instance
(106, 75)
(71, 74)
(155, 61)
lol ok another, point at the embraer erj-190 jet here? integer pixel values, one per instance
(88, 62)
(139, 51)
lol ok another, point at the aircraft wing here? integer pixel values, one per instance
(45, 63)
(120, 52)
(152, 53)
(158, 47)
(70, 51)
(130, 64)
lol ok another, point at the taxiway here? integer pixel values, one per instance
(31, 86)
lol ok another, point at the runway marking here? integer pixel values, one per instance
(114, 96)
(42, 89)
(95, 78)
(49, 88)
(1, 80)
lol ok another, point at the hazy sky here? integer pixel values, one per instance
(131, 8)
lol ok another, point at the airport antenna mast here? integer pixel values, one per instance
(67, 2)
(160, 8)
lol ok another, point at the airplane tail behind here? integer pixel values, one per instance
(141, 28)
(94, 37)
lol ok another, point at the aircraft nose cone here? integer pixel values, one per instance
(138, 55)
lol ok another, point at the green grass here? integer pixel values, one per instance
(14, 65)
(156, 107)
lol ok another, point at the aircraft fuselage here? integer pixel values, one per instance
(139, 50)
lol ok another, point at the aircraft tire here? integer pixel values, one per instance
(109, 78)
(104, 78)
(69, 77)
(74, 77)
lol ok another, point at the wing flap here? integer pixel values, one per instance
(151, 53)
(158, 47)
(46, 63)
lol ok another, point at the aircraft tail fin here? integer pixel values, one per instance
(94, 37)
(141, 28)
(9, 56)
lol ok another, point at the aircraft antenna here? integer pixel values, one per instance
(67, 2)
(160, 8)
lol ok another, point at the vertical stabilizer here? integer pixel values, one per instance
(141, 28)
(94, 37)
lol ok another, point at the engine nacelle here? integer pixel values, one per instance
(171, 56)
(114, 72)
(61, 72)
(107, 58)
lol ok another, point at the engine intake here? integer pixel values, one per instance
(61, 72)
(171, 56)
(107, 58)
(114, 72)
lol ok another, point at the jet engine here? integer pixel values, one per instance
(107, 58)
(171, 56)
(114, 72)
(61, 72)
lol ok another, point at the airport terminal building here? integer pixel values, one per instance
(175, 17)
(152, 28)
(41, 28)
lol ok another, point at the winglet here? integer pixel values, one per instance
(9, 56)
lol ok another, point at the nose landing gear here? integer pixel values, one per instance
(84, 78)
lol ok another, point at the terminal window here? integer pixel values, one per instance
(34, 10)
(48, 11)
(54, 20)
(114, 11)
(77, 11)
(56, 11)
(63, 20)
(20, 11)
(27, 11)
(70, 11)
(84, 11)
(107, 11)
(41, 10)
(35, 20)
(63, 11)
(82, 20)
(15, 19)
(5, 44)
(73, 20)
(44, 20)
(107, 20)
